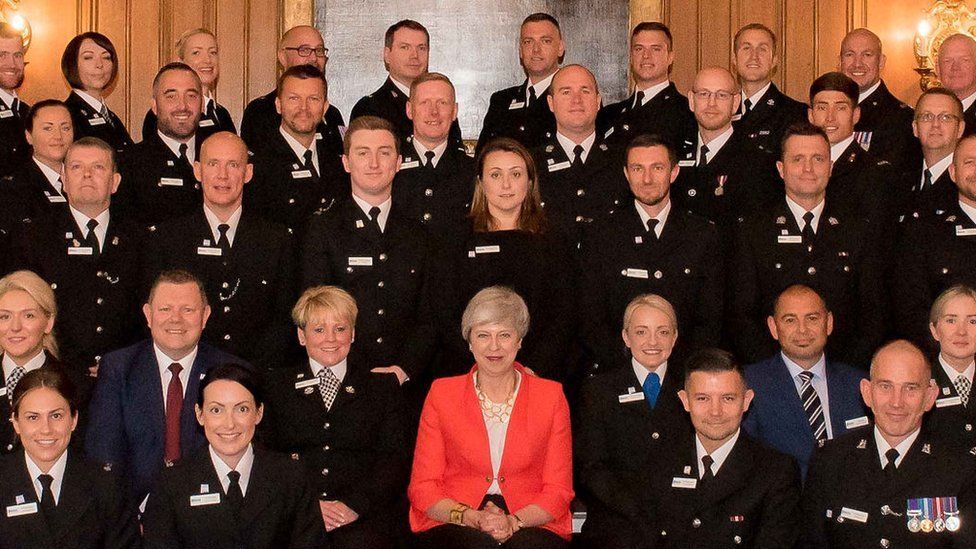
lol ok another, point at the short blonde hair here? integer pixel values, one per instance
(41, 292)
(321, 299)
(940, 303)
(653, 301)
(180, 46)
(495, 305)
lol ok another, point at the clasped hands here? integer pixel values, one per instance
(493, 521)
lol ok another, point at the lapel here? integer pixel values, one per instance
(145, 383)
(663, 97)
(865, 461)
(766, 104)
(917, 462)
(74, 500)
(783, 219)
(787, 400)
(353, 385)
(37, 524)
(638, 412)
(848, 161)
(260, 491)
(188, 419)
(357, 222)
(39, 180)
(472, 425)
(518, 426)
(396, 95)
(673, 232)
(554, 153)
(733, 476)
(201, 230)
(285, 154)
(947, 389)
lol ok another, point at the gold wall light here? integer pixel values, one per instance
(10, 13)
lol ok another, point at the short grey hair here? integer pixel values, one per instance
(495, 305)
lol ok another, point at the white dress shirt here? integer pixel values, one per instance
(300, 149)
(968, 102)
(92, 101)
(641, 372)
(936, 169)
(243, 467)
(100, 230)
(714, 145)
(165, 375)
(754, 98)
(819, 382)
(662, 216)
(798, 212)
(867, 93)
(422, 151)
(53, 177)
(718, 456)
(650, 92)
(902, 447)
(540, 88)
(952, 374)
(384, 209)
(338, 370)
(232, 222)
(568, 145)
(174, 146)
(968, 210)
(32, 364)
(497, 432)
(56, 472)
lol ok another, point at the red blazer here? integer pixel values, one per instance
(452, 458)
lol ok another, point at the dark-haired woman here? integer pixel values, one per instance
(53, 498)
(90, 65)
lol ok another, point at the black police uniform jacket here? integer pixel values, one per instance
(92, 511)
(437, 196)
(261, 121)
(843, 266)
(914, 201)
(845, 475)
(156, 184)
(27, 193)
(666, 114)
(14, 149)
(863, 186)
(969, 117)
(389, 274)
(358, 451)
(620, 259)
(285, 191)
(509, 115)
(753, 500)
(210, 123)
(950, 419)
(279, 509)
(766, 122)
(389, 103)
(251, 288)
(935, 253)
(88, 122)
(615, 439)
(885, 129)
(98, 294)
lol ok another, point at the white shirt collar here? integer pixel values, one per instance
(402, 87)
(967, 102)
(338, 370)
(641, 372)
(232, 221)
(867, 93)
(719, 455)
(163, 361)
(540, 87)
(52, 176)
(754, 98)
(798, 211)
(902, 447)
(661, 217)
(568, 145)
(91, 100)
(938, 168)
(818, 370)
(31, 365)
(714, 145)
(422, 151)
(650, 92)
(243, 467)
(174, 146)
(384, 209)
(300, 149)
(8, 98)
(207, 100)
(953, 374)
(838, 148)
(968, 210)
(100, 230)
(56, 472)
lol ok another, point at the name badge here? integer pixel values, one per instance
(408, 165)
(97, 121)
(360, 261)
(23, 509)
(636, 273)
(205, 499)
(516, 105)
(6, 114)
(307, 383)
(487, 249)
(206, 250)
(686, 163)
(856, 422)
(630, 397)
(80, 250)
(301, 174)
(56, 198)
(170, 182)
(686, 483)
(948, 401)
(789, 239)
(853, 514)
(559, 166)
(206, 123)
(965, 232)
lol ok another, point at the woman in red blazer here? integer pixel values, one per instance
(493, 462)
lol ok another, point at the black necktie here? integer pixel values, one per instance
(707, 461)
(703, 157)
(748, 104)
(309, 165)
(651, 225)
(577, 155)
(926, 179)
(808, 233)
(891, 455)
(222, 241)
(90, 239)
(183, 156)
(639, 100)
(532, 96)
(16, 107)
(212, 111)
(47, 495)
(235, 497)
(374, 218)
(429, 155)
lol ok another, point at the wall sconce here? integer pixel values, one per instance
(943, 19)
(10, 13)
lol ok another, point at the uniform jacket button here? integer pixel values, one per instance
(696, 523)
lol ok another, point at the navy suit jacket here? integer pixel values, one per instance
(776, 417)
(127, 420)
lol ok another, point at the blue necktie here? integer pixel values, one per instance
(652, 387)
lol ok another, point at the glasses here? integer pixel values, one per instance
(943, 118)
(305, 51)
(706, 95)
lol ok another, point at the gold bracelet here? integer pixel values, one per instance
(518, 521)
(457, 514)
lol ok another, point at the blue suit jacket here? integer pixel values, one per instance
(776, 416)
(127, 420)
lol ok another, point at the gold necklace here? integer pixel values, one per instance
(498, 412)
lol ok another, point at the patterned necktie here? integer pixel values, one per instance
(891, 455)
(47, 495)
(328, 386)
(652, 388)
(91, 240)
(963, 386)
(105, 114)
(577, 155)
(212, 111)
(15, 375)
(812, 406)
(708, 475)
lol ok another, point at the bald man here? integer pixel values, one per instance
(885, 126)
(300, 45)
(957, 71)
(722, 176)
(246, 263)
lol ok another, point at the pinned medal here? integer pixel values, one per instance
(115, 241)
(951, 510)
(720, 190)
(832, 220)
(687, 469)
(927, 448)
(914, 511)
(862, 444)
(309, 390)
(781, 220)
(549, 148)
(350, 389)
(771, 102)
(951, 219)
(603, 146)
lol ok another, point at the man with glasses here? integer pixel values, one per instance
(301, 45)
(14, 149)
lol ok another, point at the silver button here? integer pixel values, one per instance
(326, 448)
(379, 340)
(580, 192)
(969, 426)
(381, 312)
(226, 309)
(812, 270)
(226, 337)
(327, 425)
(655, 435)
(99, 329)
(429, 192)
(225, 285)
(426, 216)
(579, 219)
(382, 257)
(380, 284)
(291, 200)
(99, 301)
(348, 269)
(885, 542)
(737, 540)
(325, 472)
(696, 523)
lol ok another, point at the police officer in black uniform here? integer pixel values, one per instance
(764, 112)
(436, 178)
(521, 112)
(14, 149)
(951, 325)
(157, 174)
(655, 107)
(958, 73)
(300, 45)
(246, 264)
(891, 483)
(804, 239)
(405, 55)
(650, 245)
(927, 189)
(295, 174)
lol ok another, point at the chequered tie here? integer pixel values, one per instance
(12, 380)
(963, 386)
(328, 386)
(812, 406)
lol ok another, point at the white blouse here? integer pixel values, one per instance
(497, 429)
